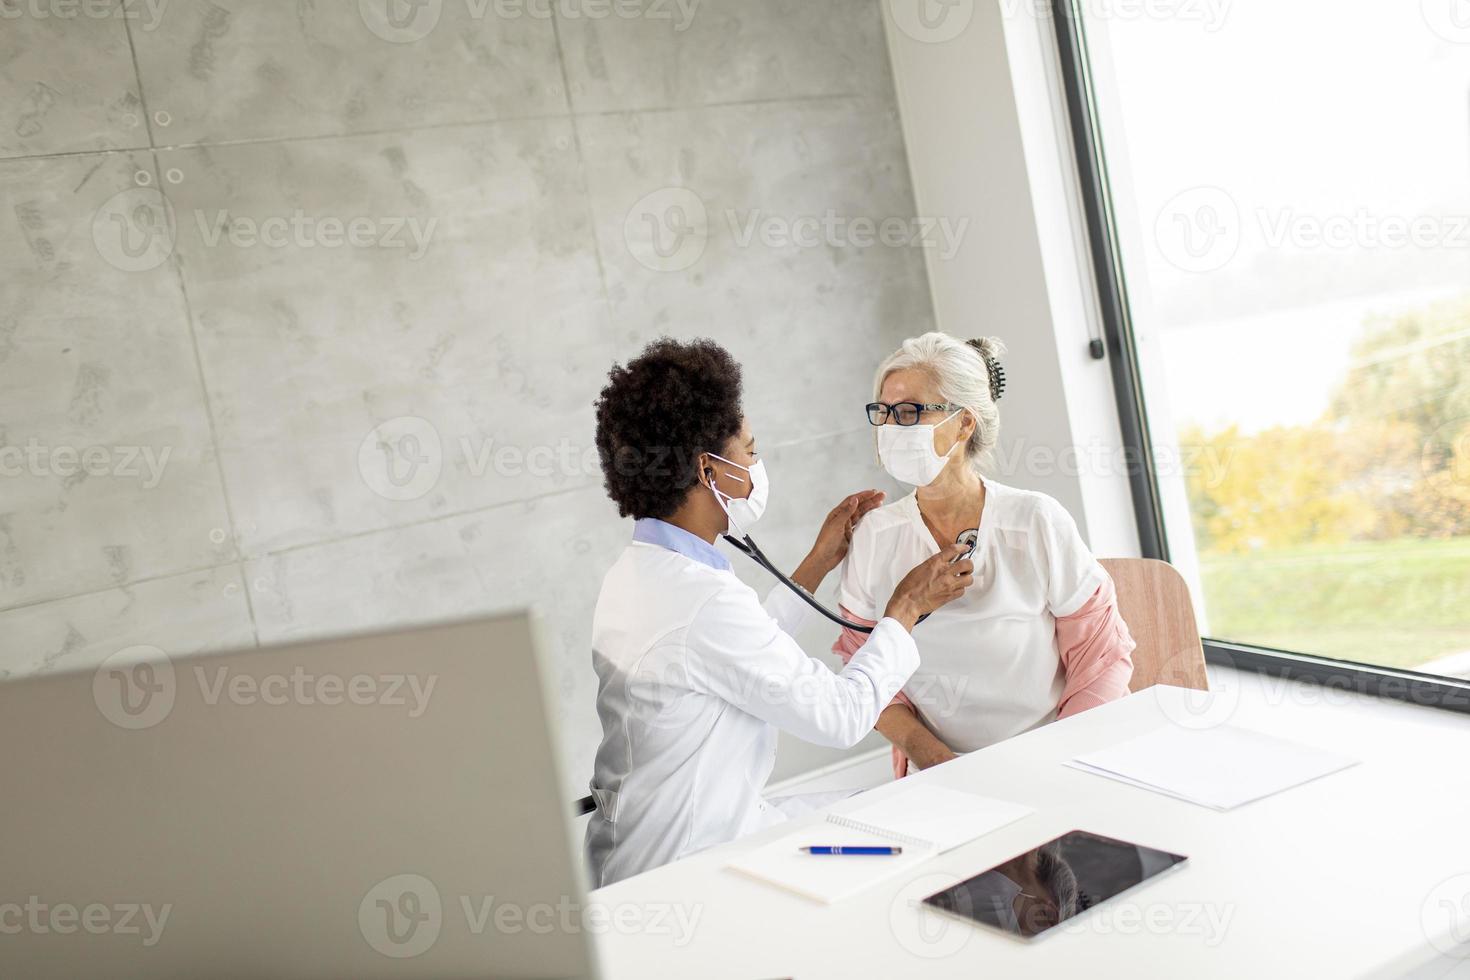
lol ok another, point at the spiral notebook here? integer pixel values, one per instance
(923, 820)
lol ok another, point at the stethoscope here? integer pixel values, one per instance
(970, 538)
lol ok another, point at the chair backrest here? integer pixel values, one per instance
(1153, 599)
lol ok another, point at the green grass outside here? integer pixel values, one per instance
(1392, 603)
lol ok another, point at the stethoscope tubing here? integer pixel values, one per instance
(749, 547)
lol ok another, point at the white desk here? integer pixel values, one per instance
(1336, 878)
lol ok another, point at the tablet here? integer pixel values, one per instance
(1044, 887)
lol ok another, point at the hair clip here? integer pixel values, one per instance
(997, 377)
(992, 368)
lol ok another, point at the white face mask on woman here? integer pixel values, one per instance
(744, 511)
(907, 452)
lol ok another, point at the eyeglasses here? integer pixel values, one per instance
(904, 413)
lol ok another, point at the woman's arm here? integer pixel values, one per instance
(898, 722)
(735, 651)
(1096, 650)
(1092, 639)
(902, 727)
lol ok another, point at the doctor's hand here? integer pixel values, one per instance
(835, 537)
(930, 585)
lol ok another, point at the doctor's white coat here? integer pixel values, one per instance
(695, 676)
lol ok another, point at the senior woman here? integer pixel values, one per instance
(695, 674)
(1038, 636)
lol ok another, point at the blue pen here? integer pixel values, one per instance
(853, 850)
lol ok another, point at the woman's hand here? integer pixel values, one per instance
(926, 753)
(930, 584)
(835, 537)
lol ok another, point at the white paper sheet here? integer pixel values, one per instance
(1221, 767)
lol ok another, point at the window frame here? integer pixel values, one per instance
(1099, 218)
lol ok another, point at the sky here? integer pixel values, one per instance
(1241, 134)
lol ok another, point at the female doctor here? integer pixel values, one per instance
(695, 674)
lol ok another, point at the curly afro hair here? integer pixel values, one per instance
(658, 413)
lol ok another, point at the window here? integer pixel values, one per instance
(1288, 188)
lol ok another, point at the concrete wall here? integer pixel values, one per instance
(305, 306)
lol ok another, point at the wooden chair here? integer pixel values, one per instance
(1153, 599)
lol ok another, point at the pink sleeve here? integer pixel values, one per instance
(1096, 650)
(848, 643)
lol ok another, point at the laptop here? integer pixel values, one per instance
(375, 806)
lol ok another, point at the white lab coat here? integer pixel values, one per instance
(695, 676)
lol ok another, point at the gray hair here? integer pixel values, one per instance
(964, 373)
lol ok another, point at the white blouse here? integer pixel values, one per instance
(989, 664)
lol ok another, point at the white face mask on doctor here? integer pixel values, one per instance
(744, 511)
(907, 452)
